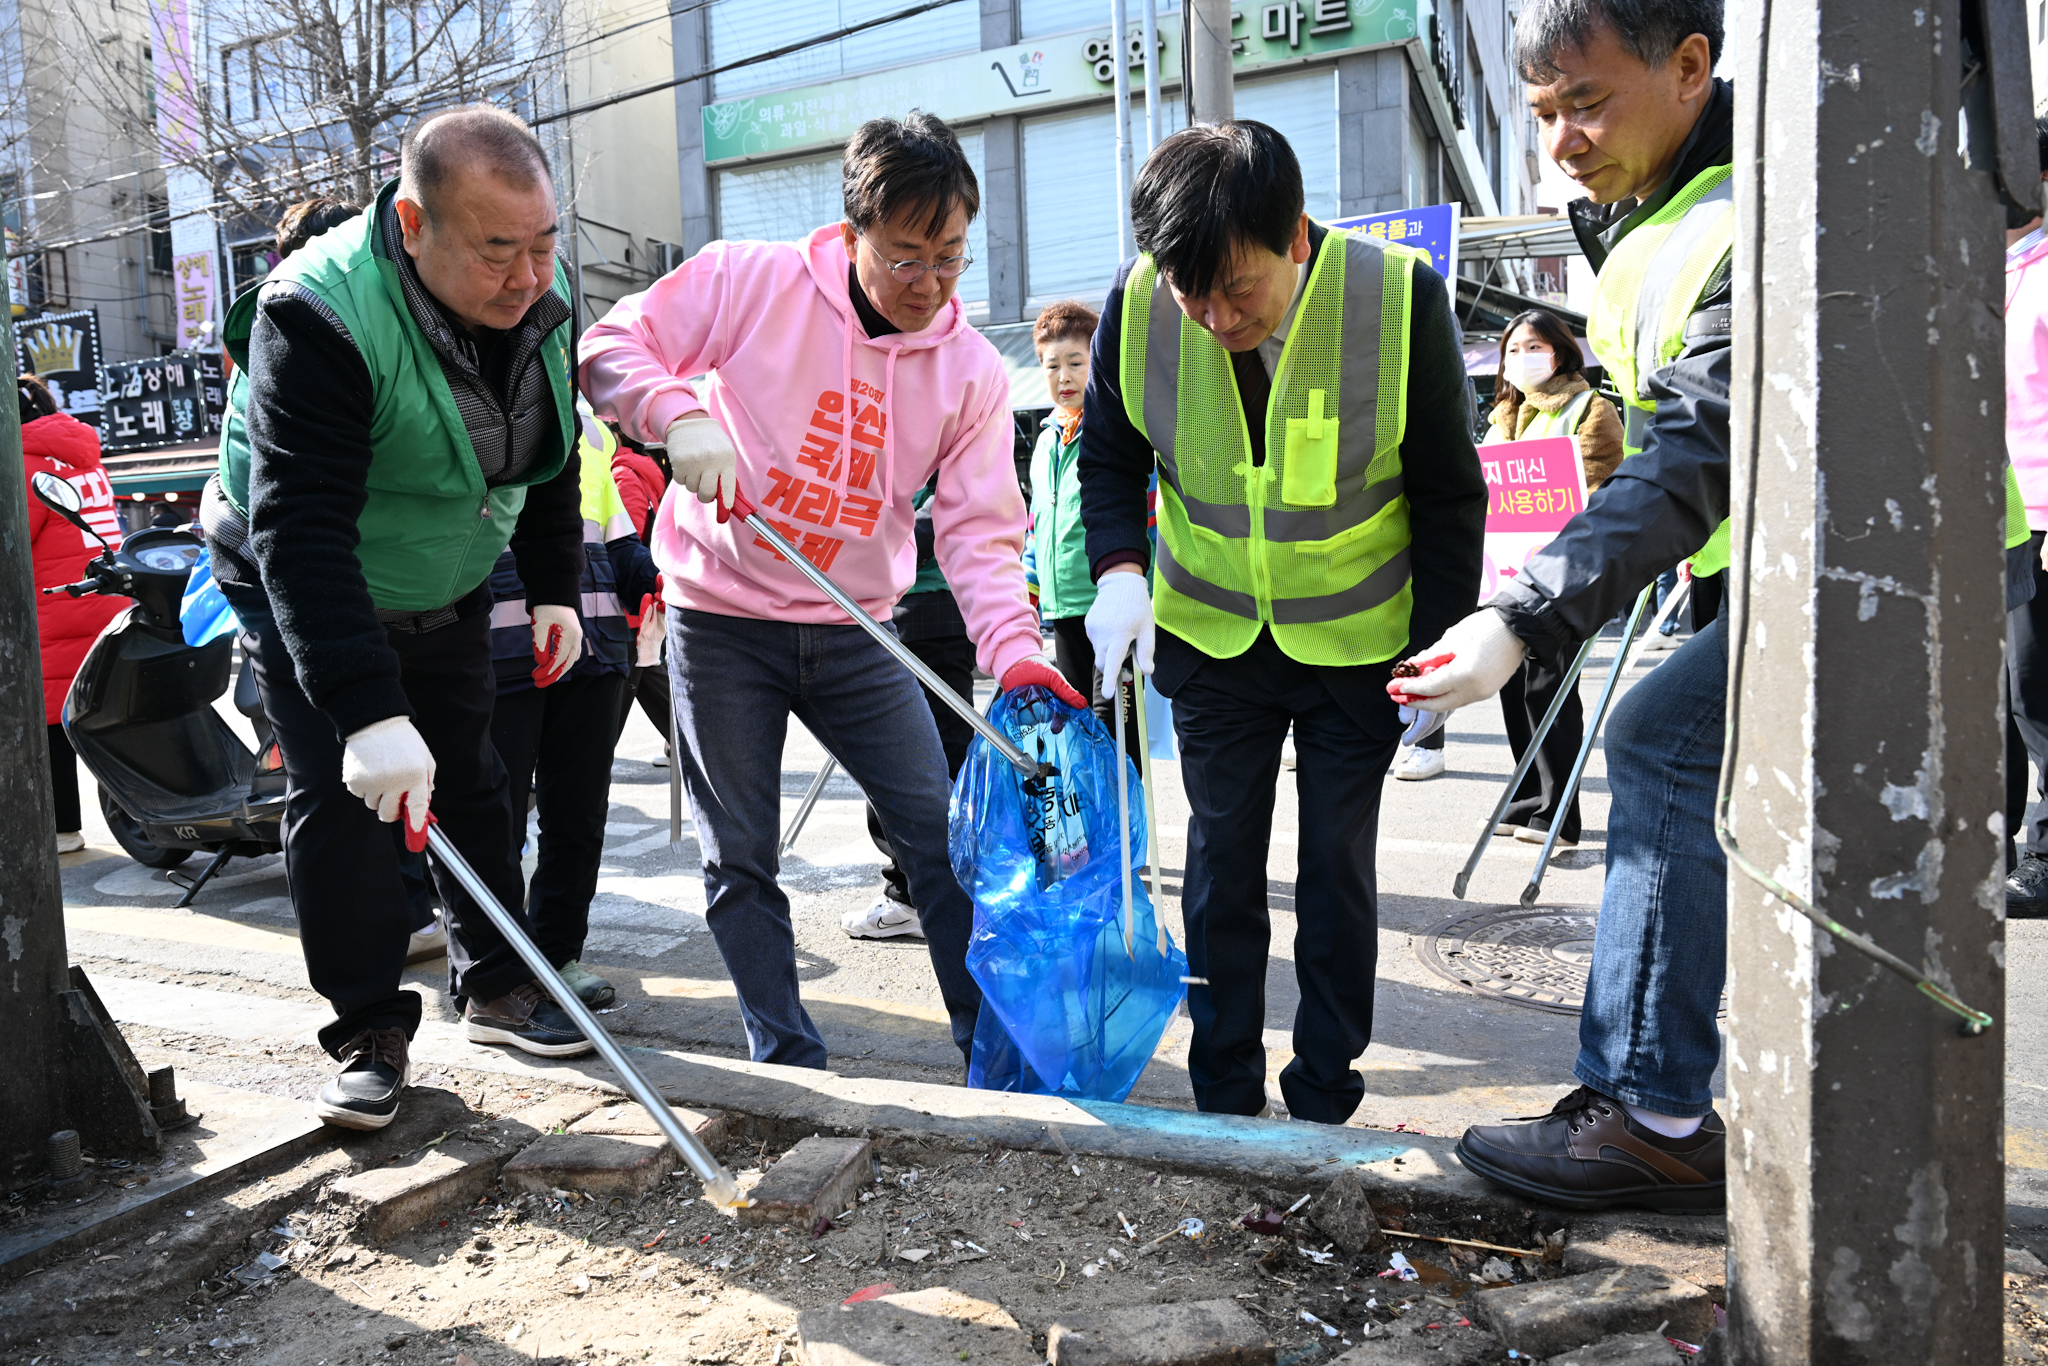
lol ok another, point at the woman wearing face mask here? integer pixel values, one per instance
(1543, 392)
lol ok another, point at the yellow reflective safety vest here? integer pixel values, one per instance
(1313, 544)
(1564, 422)
(1649, 286)
(2016, 529)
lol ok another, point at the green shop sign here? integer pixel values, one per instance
(1052, 72)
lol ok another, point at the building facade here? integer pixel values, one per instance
(1389, 104)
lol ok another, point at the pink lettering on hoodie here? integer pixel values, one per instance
(835, 431)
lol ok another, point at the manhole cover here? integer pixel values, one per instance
(1534, 958)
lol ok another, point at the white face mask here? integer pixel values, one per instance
(1527, 369)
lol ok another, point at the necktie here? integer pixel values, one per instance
(1254, 387)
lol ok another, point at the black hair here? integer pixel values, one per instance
(308, 218)
(1563, 345)
(2041, 137)
(1210, 190)
(912, 163)
(470, 135)
(35, 399)
(1650, 30)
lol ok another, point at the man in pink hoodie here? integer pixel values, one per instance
(839, 374)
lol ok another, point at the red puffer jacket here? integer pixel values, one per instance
(66, 447)
(641, 486)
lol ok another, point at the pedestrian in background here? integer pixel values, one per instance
(2026, 444)
(54, 442)
(642, 481)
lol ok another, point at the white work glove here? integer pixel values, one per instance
(1469, 664)
(1120, 618)
(386, 763)
(703, 459)
(557, 643)
(1421, 724)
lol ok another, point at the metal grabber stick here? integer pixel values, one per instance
(1529, 755)
(719, 1185)
(1132, 676)
(1622, 654)
(746, 512)
(803, 808)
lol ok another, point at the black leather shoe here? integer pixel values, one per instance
(2026, 888)
(364, 1094)
(529, 1021)
(1587, 1154)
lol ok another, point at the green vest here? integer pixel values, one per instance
(1313, 544)
(1648, 288)
(430, 528)
(1564, 422)
(1064, 587)
(2016, 529)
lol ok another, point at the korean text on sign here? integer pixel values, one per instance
(1532, 489)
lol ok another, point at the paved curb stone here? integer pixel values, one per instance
(1548, 1317)
(1635, 1349)
(937, 1327)
(818, 1177)
(1418, 1346)
(1199, 1333)
(1345, 1216)
(617, 1151)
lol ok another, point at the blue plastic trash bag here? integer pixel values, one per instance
(205, 613)
(1066, 1009)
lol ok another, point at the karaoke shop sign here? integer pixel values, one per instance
(1532, 489)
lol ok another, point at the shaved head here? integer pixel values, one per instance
(442, 147)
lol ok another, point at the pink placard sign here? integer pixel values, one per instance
(1532, 489)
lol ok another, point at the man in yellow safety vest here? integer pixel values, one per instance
(1625, 98)
(1301, 394)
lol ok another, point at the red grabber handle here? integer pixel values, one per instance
(415, 840)
(546, 668)
(741, 508)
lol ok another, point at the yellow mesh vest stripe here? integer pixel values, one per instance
(1132, 350)
(2016, 529)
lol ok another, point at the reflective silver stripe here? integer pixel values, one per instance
(1201, 590)
(1162, 367)
(1365, 291)
(1356, 503)
(597, 605)
(1574, 412)
(1375, 589)
(509, 613)
(1663, 271)
(1635, 426)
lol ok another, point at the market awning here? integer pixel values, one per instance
(166, 469)
(1520, 238)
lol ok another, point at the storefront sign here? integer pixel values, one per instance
(1048, 73)
(163, 401)
(194, 268)
(1532, 489)
(1434, 228)
(63, 350)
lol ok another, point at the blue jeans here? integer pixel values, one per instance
(1647, 1035)
(737, 682)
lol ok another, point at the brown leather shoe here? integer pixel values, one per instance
(529, 1020)
(1587, 1154)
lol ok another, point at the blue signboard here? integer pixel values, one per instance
(1434, 228)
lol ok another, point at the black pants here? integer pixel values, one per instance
(1231, 715)
(1074, 656)
(342, 862)
(2026, 630)
(1523, 699)
(649, 687)
(557, 742)
(952, 659)
(64, 781)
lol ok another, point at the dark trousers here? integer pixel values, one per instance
(2026, 654)
(1523, 699)
(952, 659)
(557, 742)
(1074, 656)
(1231, 716)
(649, 687)
(64, 781)
(342, 863)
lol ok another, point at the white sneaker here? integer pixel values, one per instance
(428, 944)
(1418, 764)
(885, 919)
(660, 760)
(1529, 834)
(69, 841)
(1659, 641)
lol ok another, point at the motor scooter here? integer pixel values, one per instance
(174, 778)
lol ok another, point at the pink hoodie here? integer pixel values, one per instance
(2026, 372)
(797, 384)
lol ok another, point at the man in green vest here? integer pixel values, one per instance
(1625, 99)
(403, 413)
(1301, 393)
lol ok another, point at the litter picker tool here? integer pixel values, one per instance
(1529, 755)
(675, 782)
(719, 1185)
(746, 512)
(803, 810)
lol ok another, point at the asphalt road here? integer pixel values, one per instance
(1442, 1057)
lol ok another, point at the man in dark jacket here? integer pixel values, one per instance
(1351, 444)
(1636, 117)
(405, 414)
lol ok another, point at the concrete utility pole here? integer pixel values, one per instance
(1866, 1199)
(1208, 61)
(32, 953)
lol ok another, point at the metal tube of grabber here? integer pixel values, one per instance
(803, 808)
(744, 509)
(719, 1185)
(1571, 784)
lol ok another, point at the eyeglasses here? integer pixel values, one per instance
(910, 272)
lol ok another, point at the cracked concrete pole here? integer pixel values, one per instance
(32, 955)
(1866, 1201)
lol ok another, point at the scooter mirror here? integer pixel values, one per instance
(60, 497)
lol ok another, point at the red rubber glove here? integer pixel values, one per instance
(1038, 669)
